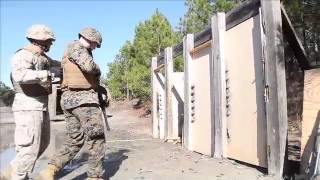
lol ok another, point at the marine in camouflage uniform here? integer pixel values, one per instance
(80, 104)
(32, 83)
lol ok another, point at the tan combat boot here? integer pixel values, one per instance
(48, 173)
(6, 173)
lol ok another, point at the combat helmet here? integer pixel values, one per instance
(92, 35)
(40, 32)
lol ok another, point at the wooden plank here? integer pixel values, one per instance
(202, 37)
(246, 125)
(157, 69)
(155, 120)
(241, 13)
(218, 26)
(310, 115)
(276, 98)
(188, 44)
(200, 47)
(161, 104)
(294, 41)
(168, 91)
(52, 102)
(201, 122)
(177, 50)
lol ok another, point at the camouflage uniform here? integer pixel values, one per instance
(83, 116)
(32, 131)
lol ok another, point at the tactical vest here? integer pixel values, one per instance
(74, 78)
(34, 89)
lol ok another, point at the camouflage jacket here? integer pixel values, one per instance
(81, 56)
(28, 67)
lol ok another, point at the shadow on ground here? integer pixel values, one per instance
(111, 164)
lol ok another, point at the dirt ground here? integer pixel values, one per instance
(132, 153)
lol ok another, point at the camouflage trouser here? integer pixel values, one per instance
(84, 125)
(32, 137)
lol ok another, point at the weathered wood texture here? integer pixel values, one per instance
(188, 45)
(161, 104)
(217, 76)
(276, 102)
(294, 41)
(241, 13)
(155, 120)
(246, 125)
(310, 116)
(177, 50)
(168, 90)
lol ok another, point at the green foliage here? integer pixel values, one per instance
(200, 11)
(130, 73)
(305, 17)
(224, 5)
(131, 69)
(6, 94)
(197, 16)
(178, 64)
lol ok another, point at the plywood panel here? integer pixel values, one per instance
(200, 126)
(177, 104)
(310, 114)
(246, 126)
(161, 105)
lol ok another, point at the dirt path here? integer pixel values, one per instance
(133, 154)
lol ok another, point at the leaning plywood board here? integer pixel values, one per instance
(310, 114)
(246, 124)
(200, 123)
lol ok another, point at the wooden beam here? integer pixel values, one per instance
(219, 85)
(155, 120)
(177, 50)
(202, 37)
(168, 91)
(241, 13)
(294, 41)
(188, 44)
(204, 45)
(275, 86)
(157, 69)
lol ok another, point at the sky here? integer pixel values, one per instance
(116, 20)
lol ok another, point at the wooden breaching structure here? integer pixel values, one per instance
(234, 87)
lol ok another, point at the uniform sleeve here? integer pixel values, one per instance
(23, 69)
(54, 63)
(81, 56)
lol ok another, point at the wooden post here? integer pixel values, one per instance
(188, 45)
(275, 86)
(168, 91)
(155, 120)
(52, 102)
(218, 27)
(162, 105)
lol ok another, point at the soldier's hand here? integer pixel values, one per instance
(44, 76)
